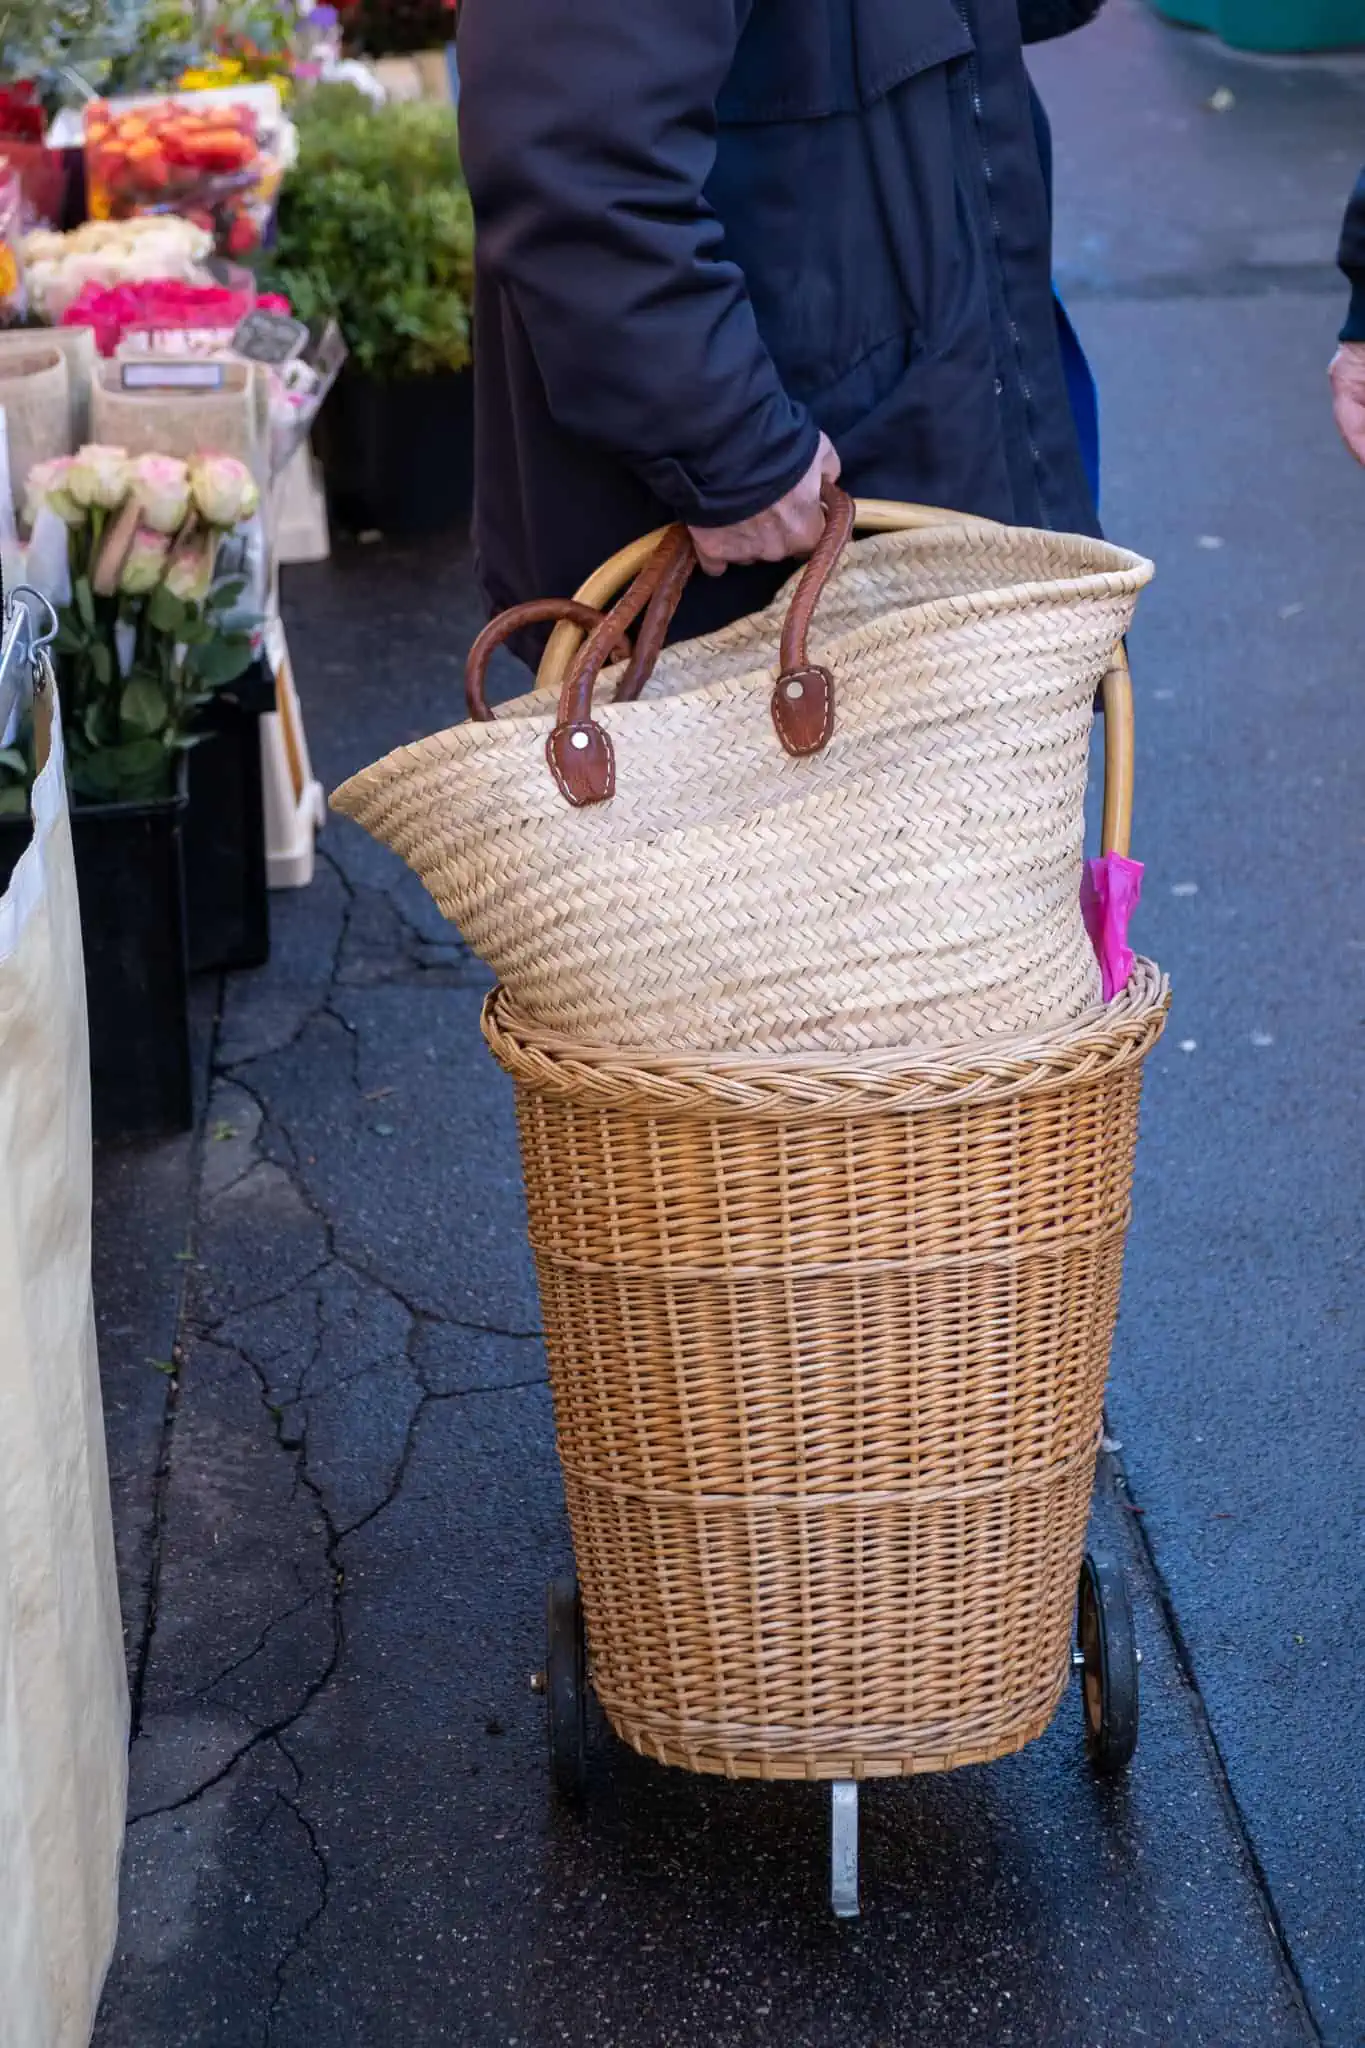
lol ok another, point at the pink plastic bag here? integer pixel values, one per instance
(1111, 889)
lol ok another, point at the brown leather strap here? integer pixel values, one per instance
(649, 641)
(803, 695)
(537, 612)
(579, 750)
(840, 512)
(575, 699)
(803, 709)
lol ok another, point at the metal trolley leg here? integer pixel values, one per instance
(843, 1840)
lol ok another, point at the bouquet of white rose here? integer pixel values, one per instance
(58, 268)
(146, 633)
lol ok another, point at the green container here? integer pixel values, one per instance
(1283, 25)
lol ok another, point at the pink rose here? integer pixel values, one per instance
(144, 562)
(191, 568)
(224, 489)
(161, 484)
(98, 476)
(48, 486)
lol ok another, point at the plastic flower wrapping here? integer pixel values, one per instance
(216, 157)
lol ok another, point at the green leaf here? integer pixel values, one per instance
(11, 758)
(142, 705)
(85, 600)
(71, 639)
(228, 593)
(102, 662)
(140, 757)
(166, 613)
(94, 777)
(135, 772)
(223, 659)
(13, 800)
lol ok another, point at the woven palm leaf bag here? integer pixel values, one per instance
(853, 820)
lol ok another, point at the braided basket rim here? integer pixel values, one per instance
(792, 1086)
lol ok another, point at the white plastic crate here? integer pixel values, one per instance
(299, 511)
(295, 808)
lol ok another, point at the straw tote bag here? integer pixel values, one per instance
(852, 820)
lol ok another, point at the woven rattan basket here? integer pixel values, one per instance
(828, 1340)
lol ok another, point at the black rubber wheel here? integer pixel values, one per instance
(1109, 1672)
(566, 1689)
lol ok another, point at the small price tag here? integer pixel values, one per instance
(270, 338)
(186, 376)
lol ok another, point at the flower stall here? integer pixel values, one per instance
(145, 562)
(217, 240)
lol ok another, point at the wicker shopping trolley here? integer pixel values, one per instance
(828, 1337)
(827, 1136)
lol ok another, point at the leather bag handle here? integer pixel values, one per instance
(803, 696)
(890, 515)
(536, 612)
(579, 750)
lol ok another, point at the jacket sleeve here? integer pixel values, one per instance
(1351, 257)
(588, 131)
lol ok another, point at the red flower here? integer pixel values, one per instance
(21, 116)
(164, 303)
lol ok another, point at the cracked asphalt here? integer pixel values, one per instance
(336, 1493)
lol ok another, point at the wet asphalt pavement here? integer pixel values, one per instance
(336, 1519)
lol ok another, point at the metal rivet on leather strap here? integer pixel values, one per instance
(579, 740)
(803, 709)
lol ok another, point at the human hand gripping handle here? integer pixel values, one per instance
(1348, 395)
(790, 527)
(579, 750)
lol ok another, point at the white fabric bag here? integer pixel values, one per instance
(63, 1693)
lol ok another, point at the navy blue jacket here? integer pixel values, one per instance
(1351, 257)
(708, 228)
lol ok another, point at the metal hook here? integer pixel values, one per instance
(22, 667)
(45, 606)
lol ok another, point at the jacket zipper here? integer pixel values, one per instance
(1016, 339)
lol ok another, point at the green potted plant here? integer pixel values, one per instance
(376, 231)
(148, 631)
(1273, 25)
